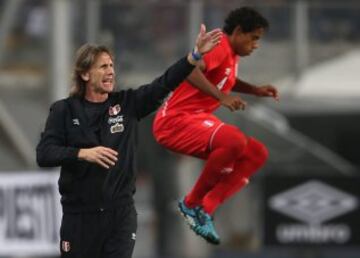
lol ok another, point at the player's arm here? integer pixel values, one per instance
(52, 151)
(259, 91)
(198, 80)
(150, 96)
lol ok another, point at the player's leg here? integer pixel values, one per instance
(227, 145)
(200, 222)
(254, 157)
(82, 235)
(121, 240)
(191, 135)
(70, 235)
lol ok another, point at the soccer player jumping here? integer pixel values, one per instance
(185, 123)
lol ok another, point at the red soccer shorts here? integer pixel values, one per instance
(189, 134)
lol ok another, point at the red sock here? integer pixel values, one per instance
(221, 192)
(227, 146)
(253, 159)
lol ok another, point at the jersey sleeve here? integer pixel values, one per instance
(52, 151)
(149, 97)
(215, 57)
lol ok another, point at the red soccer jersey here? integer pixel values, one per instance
(221, 70)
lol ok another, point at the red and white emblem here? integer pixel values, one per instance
(65, 246)
(113, 111)
(208, 123)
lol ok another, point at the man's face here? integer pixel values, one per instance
(245, 43)
(101, 76)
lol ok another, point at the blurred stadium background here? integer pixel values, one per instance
(309, 187)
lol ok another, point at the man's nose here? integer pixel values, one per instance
(110, 70)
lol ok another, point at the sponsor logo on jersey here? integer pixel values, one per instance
(114, 120)
(208, 123)
(117, 128)
(113, 111)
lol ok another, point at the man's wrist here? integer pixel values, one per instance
(196, 55)
(256, 90)
(81, 154)
(221, 96)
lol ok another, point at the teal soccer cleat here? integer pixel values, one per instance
(208, 226)
(200, 222)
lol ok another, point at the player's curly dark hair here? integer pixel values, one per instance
(245, 17)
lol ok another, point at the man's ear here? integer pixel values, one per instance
(238, 30)
(85, 76)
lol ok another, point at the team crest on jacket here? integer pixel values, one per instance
(117, 128)
(113, 111)
(65, 246)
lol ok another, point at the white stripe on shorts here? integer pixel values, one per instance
(213, 135)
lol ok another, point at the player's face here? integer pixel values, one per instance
(101, 76)
(245, 43)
